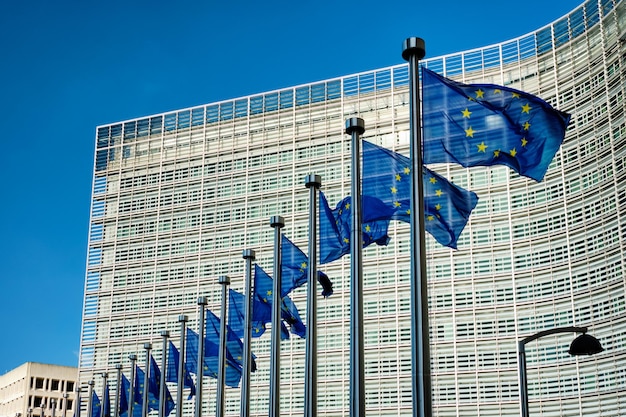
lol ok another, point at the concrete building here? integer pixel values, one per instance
(178, 196)
(36, 389)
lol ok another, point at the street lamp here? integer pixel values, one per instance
(584, 344)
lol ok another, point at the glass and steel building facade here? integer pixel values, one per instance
(178, 196)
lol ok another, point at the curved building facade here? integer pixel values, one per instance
(178, 196)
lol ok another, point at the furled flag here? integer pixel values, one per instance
(447, 207)
(336, 224)
(486, 124)
(263, 287)
(95, 404)
(106, 401)
(294, 270)
(173, 359)
(154, 389)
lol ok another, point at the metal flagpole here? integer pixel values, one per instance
(277, 222)
(78, 403)
(413, 49)
(244, 411)
(146, 380)
(313, 182)
(164, 334)
(89, 400)
(221, 371)
(105, 377)
(131, 394)
(118, 387)
(65, 404)
(202, 303)
(53, 407)
(356, 126)
(182, 319)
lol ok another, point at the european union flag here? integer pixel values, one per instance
(124, 397)
(173, 359)
(336, 224)
(234, 345)
(447, 207)
(211, 358)
(261, 314)
(95, 404)
(154, 389)
(106, 400)
(263, 287)
(295, 270)
(486, 124)
(139, 386)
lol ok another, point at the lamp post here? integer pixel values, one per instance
(584, 344)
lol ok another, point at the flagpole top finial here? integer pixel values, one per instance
(147, 346)
(132, 357)
(249, 254)
(277, 222)
(203, 300)
(355, 124)
(413, 46)
(165, 333)
(313, 180)
(182, 318)
(224, 280)
(118, 366)
(91, 382)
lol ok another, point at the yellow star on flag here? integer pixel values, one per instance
(397, 204)
(524, 142)
(526, 126)
(438, 207)
(407, 171)
(368, 228)
(466, 113)
(394, 190)
(480, 93)
(515, 95)
(398, 177)
(496, 153)
(433, 180)
(469, 133)
(482, 147)
(526, 108)
(430, 218)
(439, 193)
(513, 152)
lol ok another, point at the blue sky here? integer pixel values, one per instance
(69, 66)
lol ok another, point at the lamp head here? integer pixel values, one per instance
(585, 344)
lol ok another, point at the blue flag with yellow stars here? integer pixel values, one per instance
(154, 389)
(124, 397)
(447, 207)
(261, 314)
(96, 405)
(211, 358)
(173, 359)
(294, 270)
(263, 287)
(106, 401)
(234, 345)
(336, 224)
(486, 124)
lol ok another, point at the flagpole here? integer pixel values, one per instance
(221, 371)
(355, 126)
(105, 377)
(244, 411)
(131, 394)
(277, 222)
(65, 404)
(53, 406)
(144, 404)
(118, 385)
(89, 400)
(413, 49)
(164, 334)
(182, 319)
(202, 302)
(78, 403)
(313, 182)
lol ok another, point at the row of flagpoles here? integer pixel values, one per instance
(466, 124)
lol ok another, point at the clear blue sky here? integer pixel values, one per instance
(69, 66)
